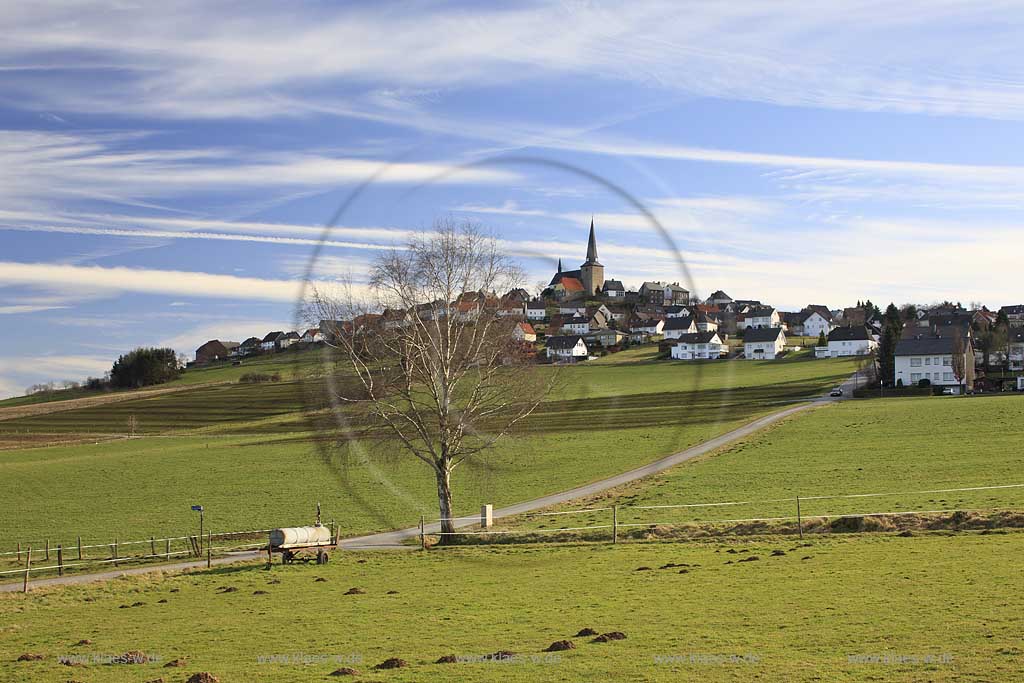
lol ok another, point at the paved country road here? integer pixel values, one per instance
(394, 539)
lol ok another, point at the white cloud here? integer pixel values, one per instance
(149, 281)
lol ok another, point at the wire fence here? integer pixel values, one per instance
(636, 516)
(75, 557)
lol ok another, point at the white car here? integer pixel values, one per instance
(838, 391)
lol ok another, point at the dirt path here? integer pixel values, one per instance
(394, 540)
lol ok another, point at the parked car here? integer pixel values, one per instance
(838, 391)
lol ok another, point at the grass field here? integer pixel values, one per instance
(813, 613)
(855, 447)
(246, 452)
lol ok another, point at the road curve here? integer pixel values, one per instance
(395, 539)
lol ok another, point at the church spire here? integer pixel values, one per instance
(559, 266)
(592, 244)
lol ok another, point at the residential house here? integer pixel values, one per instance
(566, 347)
(763, 343)
(793, 323)
(719, 298)
(516, 296)
(1015, 347)
(536, 310)
(853, 316)
(599, 317)
(576, 325)
(287, 339)
(653, 293)
(816, 320)
(250, 345)
(524, 332)
(572, 309)
(613, 289)
(677, 311)
(269, 342)
(394, 318)
(511, 309)
(312, 336)
(699, 346)
(932, 358)
(675, 328)
(214, 350)
(606, 338)
(850, 341)
(675, 294)
(646, 323)
(759, 317)
(706, 322)
(1015, 314)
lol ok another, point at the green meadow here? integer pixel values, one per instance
(932, 607)
(891, 446)
(254, 457)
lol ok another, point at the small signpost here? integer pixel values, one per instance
(199, 509)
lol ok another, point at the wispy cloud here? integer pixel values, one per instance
(188, 59)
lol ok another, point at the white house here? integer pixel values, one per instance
(815, 323)
(675, 328)
(572, 309)
(677, 312)
(849, 341)
(763, 343)
(269, 342)
(761, 317)
(511, 309)
(931, 358)
(576, 325)
(566, 347)
(706, 323)
(536, 310)
(613, 289)
(698, 346)
(647, 326)
(524, 332)
(312, 336)
(1015, 345)
(675, 294)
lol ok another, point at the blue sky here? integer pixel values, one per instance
(165, 172)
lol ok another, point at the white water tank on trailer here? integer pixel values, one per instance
(299, 536)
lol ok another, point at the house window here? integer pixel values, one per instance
(947, 376)
(947, 361)
(915, 377)
(915, 363)
(928, 361)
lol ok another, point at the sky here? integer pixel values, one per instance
(167, 171)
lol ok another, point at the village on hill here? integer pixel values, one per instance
(582, 315)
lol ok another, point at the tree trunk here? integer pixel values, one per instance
(444, 502)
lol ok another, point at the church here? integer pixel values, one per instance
(587, 281)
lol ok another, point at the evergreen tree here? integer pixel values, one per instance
(822, 339)
(143, 367)
(887, 355)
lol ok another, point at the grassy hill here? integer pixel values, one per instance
(819, 612)
(252, 457)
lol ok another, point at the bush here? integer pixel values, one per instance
(924, 383)
(259, 377)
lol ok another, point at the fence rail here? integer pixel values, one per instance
(799, 515)
(195, 546)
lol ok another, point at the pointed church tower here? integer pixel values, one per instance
(592, 272)
(559, 267)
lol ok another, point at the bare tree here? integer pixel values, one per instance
(963, 359)
(427, 358)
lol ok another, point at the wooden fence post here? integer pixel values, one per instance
(60, 560)
(28, 568)
(423, 536)
(209, 549)
(152, 546)
(47, 550)
(113, 552)
(19, 552)
(615, 523)
(799, 520)
(167, 549)
(79, 548)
